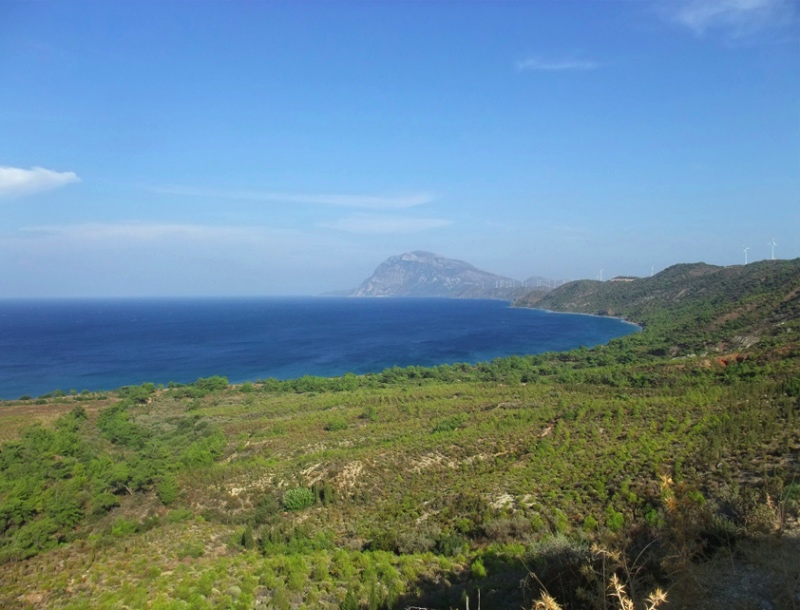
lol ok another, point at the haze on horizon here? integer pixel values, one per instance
(268, 148)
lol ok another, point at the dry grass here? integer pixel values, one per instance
(618, 593)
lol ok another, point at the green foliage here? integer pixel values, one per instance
(449, 424)
(336, 424)
(350, 601)
(211, 384)
(614, 520)
(200, 388)
(167, 490)
(116, 425)
(790, 497)
(477, 569)
(124, 527)
(590, 524)
(298, 498)
(192, 548)
(137, 394)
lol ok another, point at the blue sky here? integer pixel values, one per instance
(264, 148)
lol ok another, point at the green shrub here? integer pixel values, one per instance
(614, 519)
(791, 498)
(449, 424)
(167, 490)
(336, 423)
(298, 498)
(451, 544)
(477, 570)
(193, 549)
(124, 527)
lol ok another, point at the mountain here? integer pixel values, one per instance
(423, 274)
(700, 305)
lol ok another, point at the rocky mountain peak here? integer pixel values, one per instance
(425, 274)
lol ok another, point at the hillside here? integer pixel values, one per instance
(428, 486)
(697, 306)
(423, 274)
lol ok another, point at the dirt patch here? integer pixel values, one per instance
(313, 473)
(503, 501)
(350, 475)
(14, 416)
(427, 461)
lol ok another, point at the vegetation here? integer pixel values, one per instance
(662, 461)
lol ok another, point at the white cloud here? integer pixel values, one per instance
(15, 181)
(555, 65)
(341, 200)
(735, 17)
(362, 223)
(137, 232)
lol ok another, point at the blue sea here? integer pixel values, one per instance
(104, 344)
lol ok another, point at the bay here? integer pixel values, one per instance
(104, 344)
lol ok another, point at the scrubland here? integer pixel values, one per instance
(664, 460)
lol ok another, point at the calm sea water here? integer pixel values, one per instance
(104, 344)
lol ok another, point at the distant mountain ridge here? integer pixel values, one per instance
(424, 274)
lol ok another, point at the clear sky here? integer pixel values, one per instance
(261, 148)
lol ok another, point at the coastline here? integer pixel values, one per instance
(638, 325)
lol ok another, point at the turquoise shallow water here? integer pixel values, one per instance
(104, 344)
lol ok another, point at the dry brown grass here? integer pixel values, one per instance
(617, 592)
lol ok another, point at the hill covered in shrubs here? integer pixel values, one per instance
(667, 459)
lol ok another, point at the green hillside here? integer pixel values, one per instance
(695, 306)
(668, 458)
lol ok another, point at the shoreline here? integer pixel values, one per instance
(580, 313)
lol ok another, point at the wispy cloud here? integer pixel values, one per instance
(340, 200)
(556, 65)
(94, 232)
(363, 223)
(15, 181)
(736, 18)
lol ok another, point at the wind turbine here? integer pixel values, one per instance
(746, 248)
(773, 244)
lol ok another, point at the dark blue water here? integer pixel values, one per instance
(104, 344)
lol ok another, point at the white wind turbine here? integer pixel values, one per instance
(746, 248)
(773, 244)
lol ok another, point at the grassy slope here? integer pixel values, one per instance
(432, 484)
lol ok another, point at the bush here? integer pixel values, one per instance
(167, 490)
(124, 527)
(791, 498)
(478, 570)
(451, 544)
(298, 498)
(410, 543)
(449, 424)
(614, 519)
(336, 423)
